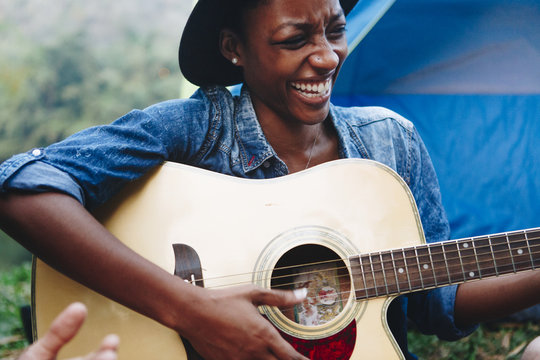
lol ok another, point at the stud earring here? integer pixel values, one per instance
(234, 60)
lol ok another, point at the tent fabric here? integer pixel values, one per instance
(448, 47)
(467, 74)
(485, 150)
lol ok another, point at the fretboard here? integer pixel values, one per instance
(405, 270)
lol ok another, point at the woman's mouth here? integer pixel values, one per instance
(312, 89)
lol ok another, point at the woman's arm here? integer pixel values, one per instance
(59, 230)
(496, 298)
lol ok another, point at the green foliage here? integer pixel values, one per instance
(55, 88)
(497, 341)
(80, 65)
(11, 253)
(14, 293)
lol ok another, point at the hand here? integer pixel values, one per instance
(226, 324)
(62, 330)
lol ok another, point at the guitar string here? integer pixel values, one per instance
(412, 267)
(383, 288)
(379, 290)
(456, 268)
(414, 257)
(404, 259)
(414, 272)
(387, 288)
(392, 274)
(376, 290)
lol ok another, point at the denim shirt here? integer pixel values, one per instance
(219, 132)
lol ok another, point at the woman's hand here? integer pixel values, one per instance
(226, 324)
(63, 329)
(220, 324)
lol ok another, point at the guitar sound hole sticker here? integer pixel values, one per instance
(323, 302)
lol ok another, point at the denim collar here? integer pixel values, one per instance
(255, 148)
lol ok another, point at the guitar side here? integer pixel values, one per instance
(235, 225)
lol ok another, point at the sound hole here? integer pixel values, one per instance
(323, 273)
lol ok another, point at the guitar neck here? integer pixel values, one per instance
(406, 270)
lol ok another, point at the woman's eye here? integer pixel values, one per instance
(296, 41)
(337, 32)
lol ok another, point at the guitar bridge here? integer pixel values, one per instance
(188, 265)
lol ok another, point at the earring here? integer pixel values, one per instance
(234, 60)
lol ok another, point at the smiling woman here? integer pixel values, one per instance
(287, 54)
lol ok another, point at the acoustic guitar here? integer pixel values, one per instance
(355, 246)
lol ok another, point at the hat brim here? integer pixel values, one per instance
(199, 55)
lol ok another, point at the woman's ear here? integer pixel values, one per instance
(230, 47)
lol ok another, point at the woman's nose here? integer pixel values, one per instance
(324, 58)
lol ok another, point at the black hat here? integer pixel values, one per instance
(199, 56)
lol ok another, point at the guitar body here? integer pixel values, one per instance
(242, 230)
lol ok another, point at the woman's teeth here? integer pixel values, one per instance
(312, 89)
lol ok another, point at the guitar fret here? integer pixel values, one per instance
(474, 243)
(425, 266)
(390, 272)
(468, 259)
(384, 273)
(395, 272)
(402, 271)
(461, 261)
(493, 255)
(404, 258)
(486, 261)
(432, 266)
(511, 254)
(358, 277)
(371, 281)
(439, 264)
(529, 249)
(534, 239)
(363, 276)
(413, 269)
(501, 251)
(380, 288)
(517, 242)
(454, 260)
(446, 264)
(419, 269)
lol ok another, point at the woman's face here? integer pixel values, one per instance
(291, 53)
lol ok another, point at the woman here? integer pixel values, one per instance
(288, 55)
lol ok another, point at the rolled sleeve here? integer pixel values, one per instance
(26, 172)
(94, 164)
(9, 167)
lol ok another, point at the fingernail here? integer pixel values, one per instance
(300, 293)
(112, 340)
(108, 355)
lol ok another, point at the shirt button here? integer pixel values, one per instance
(36, 152)
(266, 164)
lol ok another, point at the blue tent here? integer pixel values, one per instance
(467, 74)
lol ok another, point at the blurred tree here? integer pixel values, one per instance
(78, 67)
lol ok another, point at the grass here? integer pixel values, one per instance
(499, 341)
(496, 341)
(14, 294)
